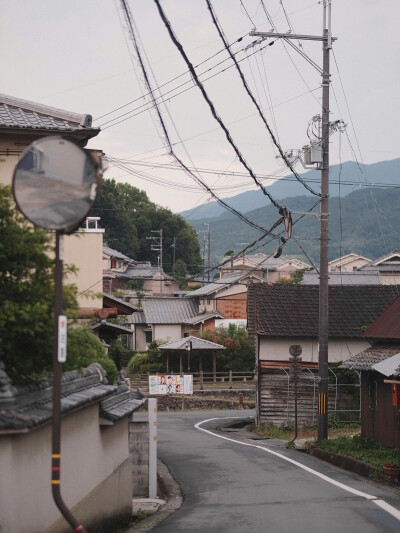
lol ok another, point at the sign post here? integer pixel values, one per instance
(295, 369)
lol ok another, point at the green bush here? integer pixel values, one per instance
(84, 348)
(120, 354)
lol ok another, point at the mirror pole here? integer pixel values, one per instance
(57, 374)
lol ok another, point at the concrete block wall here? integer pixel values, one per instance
(139, 454)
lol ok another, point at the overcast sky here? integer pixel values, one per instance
(76, 55)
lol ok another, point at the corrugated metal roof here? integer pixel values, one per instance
(165, 311)
(197, 344)
(369, 357)
(16, 113)
(388, 367)
(345, 278)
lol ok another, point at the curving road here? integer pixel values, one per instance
(234, 484)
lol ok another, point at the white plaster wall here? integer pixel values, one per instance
(89, 454)
(85, 251)
(277, 349)
(172, 332)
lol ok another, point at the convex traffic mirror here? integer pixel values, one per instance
(55, 184)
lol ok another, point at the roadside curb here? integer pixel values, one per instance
(347, 463)
(170, 491)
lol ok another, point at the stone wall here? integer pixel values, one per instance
(218, 399)
(139, 454)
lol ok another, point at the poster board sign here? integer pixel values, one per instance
(171, 384)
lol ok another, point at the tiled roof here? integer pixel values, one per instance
(205, 316)
(114, 253)
(292, 310)
(371, 356)
(345, 278)
(218, 285)
(110, 326)
(121, 403)
(197, 344)
(144, 270)
(112, 301)
(385, 263)
(165, 311)
(272, 263)
(29, 406)
(24, 115)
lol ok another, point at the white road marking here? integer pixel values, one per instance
(380, 503)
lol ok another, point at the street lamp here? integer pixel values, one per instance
(55, 185)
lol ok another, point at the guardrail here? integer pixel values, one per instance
(227, 379)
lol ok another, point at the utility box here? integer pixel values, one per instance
(313, 153)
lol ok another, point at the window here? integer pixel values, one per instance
(149, 335)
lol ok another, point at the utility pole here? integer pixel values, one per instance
(326, 39)
(158, 247)
(173, 257)
(208, 251)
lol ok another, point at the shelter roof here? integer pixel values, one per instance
(371, 356)
(165, 311)
(356, 277)
(292, 310)
(197, 344)
(25, 407)
(22, 115)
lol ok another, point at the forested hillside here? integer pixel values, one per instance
(129, 217)
(366, 222)
(350, 175)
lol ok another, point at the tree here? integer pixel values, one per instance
(239, 352)
(26, 308)
(27, 303)
(85, 348)
(128, 217)
(180, 270)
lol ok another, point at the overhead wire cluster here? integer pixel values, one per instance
(166, 135)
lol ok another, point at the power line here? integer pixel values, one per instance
(212, 107)
(261, 114)
(166, 134)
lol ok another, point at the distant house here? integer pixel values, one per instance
(21, 123)
(120, 272)
(282, 315)
(267, 268)
(388, 266)
(380, 401)
(168, 318)
(347, 263)
(97, 479)
(357, 277)
(226, 295)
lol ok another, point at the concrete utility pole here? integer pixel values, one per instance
(324, 215)
(158, 247)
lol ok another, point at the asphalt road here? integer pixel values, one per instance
(259, 486)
